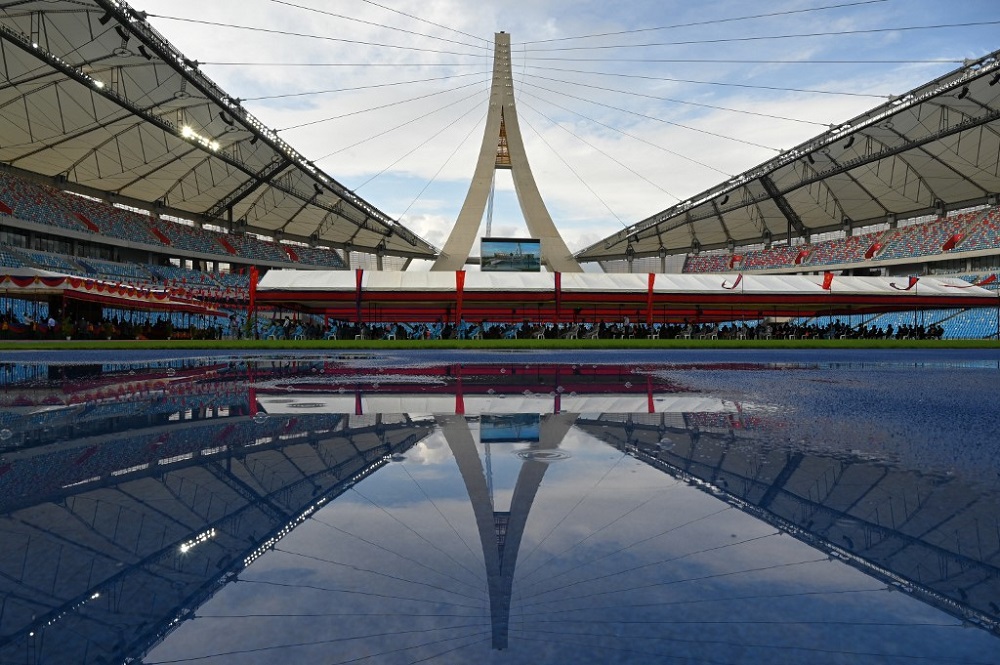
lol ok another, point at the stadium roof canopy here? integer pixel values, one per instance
(933, 149)
(93, 96)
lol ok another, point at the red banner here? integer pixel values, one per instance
(913, 282)
(459, 295)
(558, 276)
(827, 280)
(649, 298)
(983, 282)
(253, 289)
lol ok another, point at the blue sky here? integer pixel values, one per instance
(625, 108)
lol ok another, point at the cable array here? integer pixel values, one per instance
(585, 85)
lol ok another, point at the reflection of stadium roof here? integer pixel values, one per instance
(102, 569)
(130, 114)
(937, 143)
(861, 511)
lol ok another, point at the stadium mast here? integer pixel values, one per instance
(503, 148)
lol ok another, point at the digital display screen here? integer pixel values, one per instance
(510, 428)
(511, 255)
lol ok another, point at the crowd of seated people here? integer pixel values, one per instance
(840, 330)
(26, 320)
(147, 327)
(737, 330)
(23, 319)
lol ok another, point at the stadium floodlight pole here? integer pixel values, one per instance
(503, 148)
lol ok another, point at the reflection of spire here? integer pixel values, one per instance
(500, 532)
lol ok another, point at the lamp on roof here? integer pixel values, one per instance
(104, 20)
(964, 92)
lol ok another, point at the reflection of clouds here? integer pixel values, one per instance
(618, 562)
(432, 450)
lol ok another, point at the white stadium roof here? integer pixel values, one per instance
(94, 97)
(935, 148)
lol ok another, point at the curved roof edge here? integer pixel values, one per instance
(934, 142)
(137, 120)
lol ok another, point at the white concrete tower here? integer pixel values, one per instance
(503, 148)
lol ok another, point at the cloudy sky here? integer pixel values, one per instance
(626, 108)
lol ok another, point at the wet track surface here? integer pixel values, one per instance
(508, 507)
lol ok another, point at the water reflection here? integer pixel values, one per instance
(352, 510)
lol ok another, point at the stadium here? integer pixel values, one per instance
(138, 198)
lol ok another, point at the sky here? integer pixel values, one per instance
(625, 108)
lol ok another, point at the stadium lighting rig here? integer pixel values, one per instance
(191, 135)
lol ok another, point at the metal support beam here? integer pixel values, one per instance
(794, 221)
